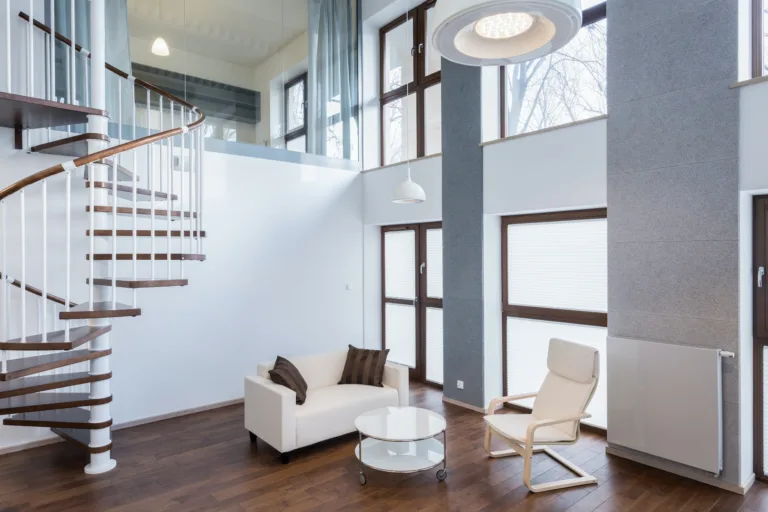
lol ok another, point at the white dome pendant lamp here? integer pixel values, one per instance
(408, 192)
(501, 32)
(160, 47)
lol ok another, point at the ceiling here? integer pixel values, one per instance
(242, 32)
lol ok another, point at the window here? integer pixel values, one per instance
(566, 86)
(412, 298)
(410, 87)
(759, 46)
(295, 114)
(555, 285)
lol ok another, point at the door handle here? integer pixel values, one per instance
(760, 274)
(421, 268)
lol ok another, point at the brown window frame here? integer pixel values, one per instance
(759, 329)
(589, 16)
(758, 41)
(570, 316)
(421, 82)
(298, 132)
(422, 302)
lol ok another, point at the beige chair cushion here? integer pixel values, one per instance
(573, 361)
(515, 427)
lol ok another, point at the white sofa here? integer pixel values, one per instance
(330, 410)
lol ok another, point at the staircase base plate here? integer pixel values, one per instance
(109, 465)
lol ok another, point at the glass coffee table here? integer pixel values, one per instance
(401, 440)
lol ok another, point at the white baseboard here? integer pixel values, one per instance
(671, 467)
(464, 405)
(127, 424)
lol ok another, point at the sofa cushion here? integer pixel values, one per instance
(331, 411)
(318, 370)
(286, 374)
(364, 366)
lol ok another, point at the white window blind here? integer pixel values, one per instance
(435, 345)
(435, 263)
(400, 333)
(527, 346)
(400, 264)
(561, 265)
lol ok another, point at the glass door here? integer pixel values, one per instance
(760, 283)
(412, 298)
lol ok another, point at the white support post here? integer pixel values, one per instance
(151, 177)
(23, 241)
(8, 55)
(91, 219)
(170, 194)
(68, 250)
(6, 305)
(31, 52)
(135, 194)
(100, 462)
(73, 54)
(182, 144)
(53, 50)
(44, 193)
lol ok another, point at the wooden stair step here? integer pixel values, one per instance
(56, 339)
(139, 282)
(143, 212)
(126, 191)
(63, 418)
(49, 402)
(99, 310)
(122, 256)
(75, 146)
(80, 438)
(123, 173)
(22, 112)
(23, 366)
(38, 383)
(144, 232)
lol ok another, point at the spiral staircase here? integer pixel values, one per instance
(143, 211)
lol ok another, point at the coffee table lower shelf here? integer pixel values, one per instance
(401, 456)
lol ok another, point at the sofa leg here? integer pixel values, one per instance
(253, 437)
(285, 458)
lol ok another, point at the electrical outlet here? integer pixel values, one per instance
(460, 384)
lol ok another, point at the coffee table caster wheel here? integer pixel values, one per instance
(363, 480)
(442, 474)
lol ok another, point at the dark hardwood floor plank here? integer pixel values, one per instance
(206, 462)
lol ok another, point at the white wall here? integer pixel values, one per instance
(284, 241)
(561, 169)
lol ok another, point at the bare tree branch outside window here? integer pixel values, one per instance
(566, 86)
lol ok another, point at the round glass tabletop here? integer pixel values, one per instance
(400, 424)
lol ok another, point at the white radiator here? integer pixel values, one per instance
(666, 400)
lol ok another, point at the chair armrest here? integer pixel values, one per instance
(544, 423)
(396, 376)
(498, 401)
(270, 412)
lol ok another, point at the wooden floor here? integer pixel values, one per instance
(205, 462)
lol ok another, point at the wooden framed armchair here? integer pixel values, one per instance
(559, 406)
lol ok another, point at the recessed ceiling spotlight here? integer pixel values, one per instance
(499, 32)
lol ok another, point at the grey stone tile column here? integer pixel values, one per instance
(673, 131)
(462, 233)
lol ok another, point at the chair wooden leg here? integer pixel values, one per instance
(584, 478)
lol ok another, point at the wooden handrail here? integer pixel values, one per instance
(105, 153)
(38, 292)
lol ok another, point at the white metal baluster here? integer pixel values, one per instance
(92, 243)
(87, 95)
(68, 244)
(114, 234)
(162, 144)
(135, 198)
(200, 225)
(6, 305)
(182, 144)
(67, 69)
(44, 193)
(150, 161)
(8, 58)
(30, 52)
(22, 198)
(73, 55)
(170, 193)
(53, 50)
(119, 122)
(190, 177)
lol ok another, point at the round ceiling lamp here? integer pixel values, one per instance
(500, 32)
(409, 192)
(160, 47)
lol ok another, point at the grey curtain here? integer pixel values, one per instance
(117, 52)
(332, 76)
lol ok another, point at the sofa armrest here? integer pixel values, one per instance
(396, 376)
(270, 413)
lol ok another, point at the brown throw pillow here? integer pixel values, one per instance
(286, 374)
(364, 366)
